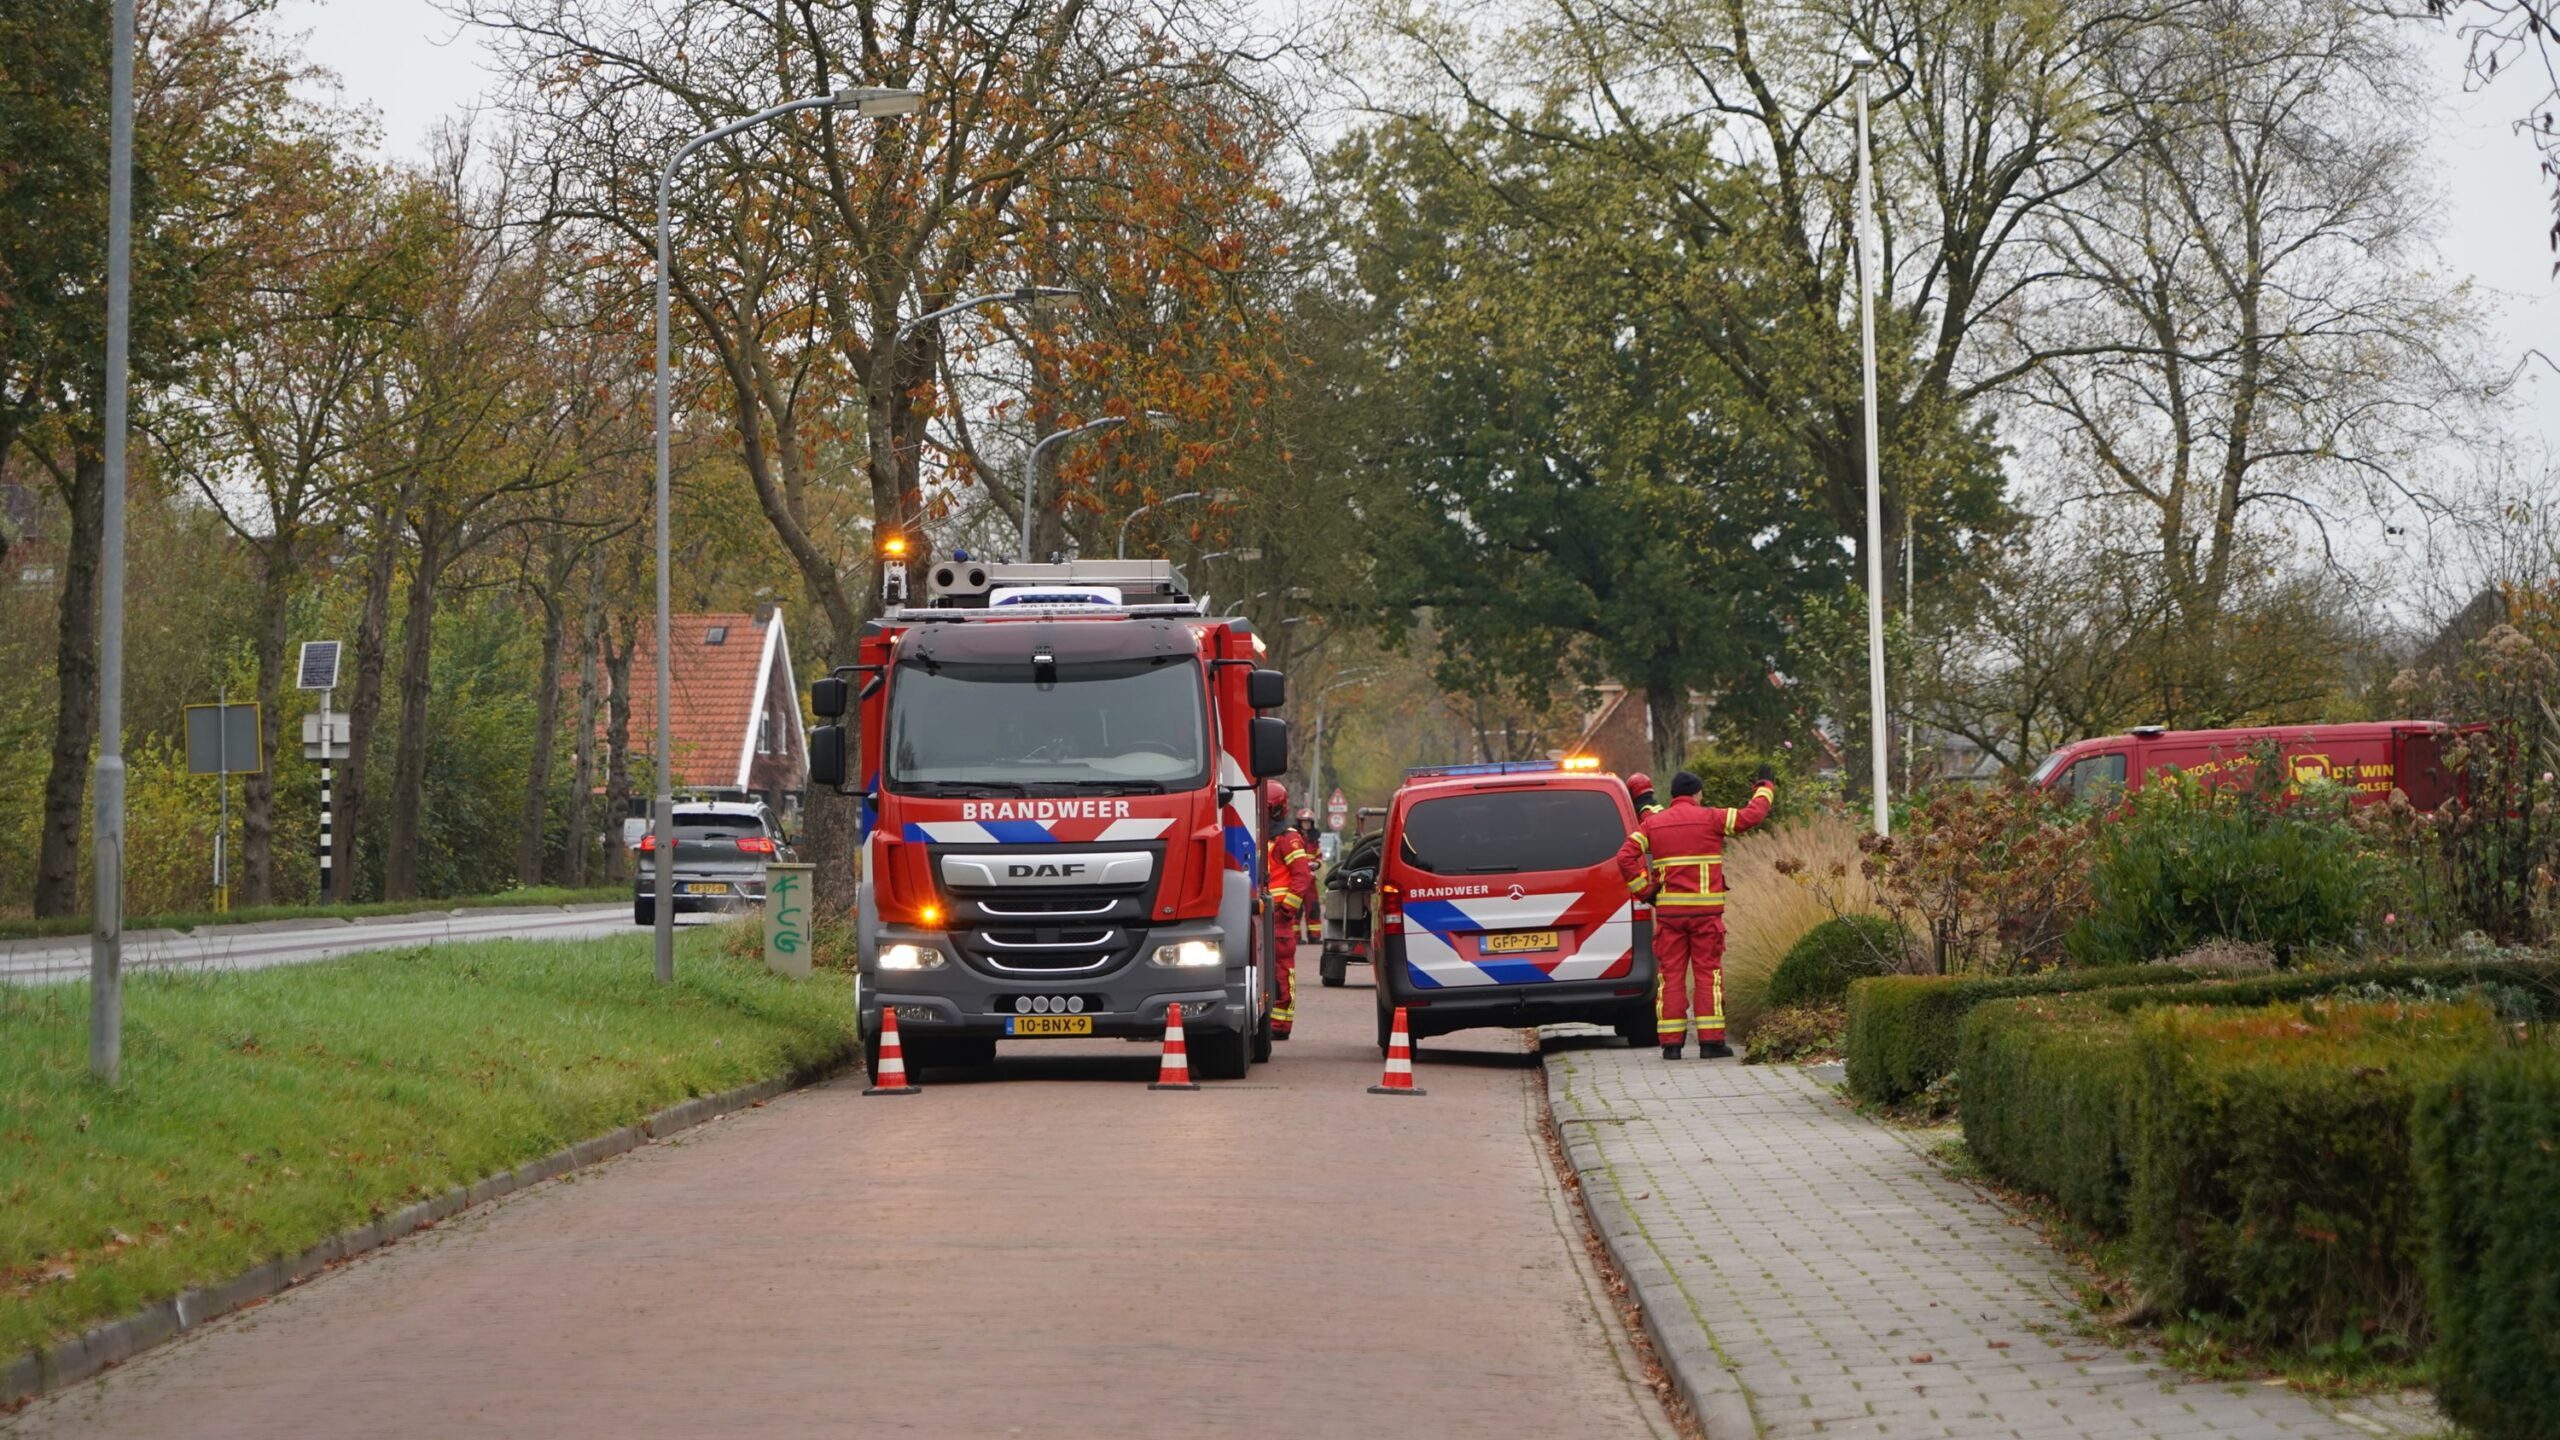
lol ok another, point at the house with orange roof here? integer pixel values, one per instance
(737, 729)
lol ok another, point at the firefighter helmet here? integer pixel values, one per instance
(1639, 784)
(1275, 798)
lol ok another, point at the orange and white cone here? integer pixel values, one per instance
(893, 1058)
(1399, 1076)
(1175, 1074)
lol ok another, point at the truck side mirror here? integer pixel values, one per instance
(826, 750)
(1270, 743)
(1266, 690)
(827, 697)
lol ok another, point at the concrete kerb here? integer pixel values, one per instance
(71, 1361)
(1714, 1394)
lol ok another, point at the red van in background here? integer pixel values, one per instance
(1499, 903)
(2368, 760)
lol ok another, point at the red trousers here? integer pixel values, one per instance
(1690, 951)
(1284, 974)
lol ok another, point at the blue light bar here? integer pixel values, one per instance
(1493, 767)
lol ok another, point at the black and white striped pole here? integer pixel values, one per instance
(320, 742)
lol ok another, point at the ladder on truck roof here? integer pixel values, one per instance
(964, 589)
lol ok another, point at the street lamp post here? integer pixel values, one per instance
(1031, 462)
(877, 103)
(1222, 496)
(106, 905)
(1865, 65)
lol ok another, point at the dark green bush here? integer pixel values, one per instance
(2273, 1182)
(2185, 864)
(2488, 1145)
(2049, 1089)
(1904, 1029)
(2520, 980)
(1728, 773)
(1818, 969)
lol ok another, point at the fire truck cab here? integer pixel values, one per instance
(1061, 830)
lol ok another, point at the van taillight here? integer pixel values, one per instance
(1391, 909)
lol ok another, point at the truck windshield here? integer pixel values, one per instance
(1133, 724)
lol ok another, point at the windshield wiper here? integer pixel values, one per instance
(1116, 787)
(963, 789)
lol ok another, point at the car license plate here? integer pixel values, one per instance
(1515, 942)
(1048, 1025)
(704, 887)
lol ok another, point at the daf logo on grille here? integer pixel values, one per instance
(1046, 870)
(1076, 869)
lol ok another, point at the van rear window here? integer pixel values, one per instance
(1499, 832)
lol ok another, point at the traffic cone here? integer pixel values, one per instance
(1399, 1076)
(1176, 1071)
(893, 1058)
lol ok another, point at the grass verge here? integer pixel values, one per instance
(263, 1111)
(22, 928)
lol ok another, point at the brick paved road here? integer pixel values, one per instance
(1823, 1256)
(1058, 1252)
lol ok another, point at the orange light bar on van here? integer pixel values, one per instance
(1582, 762)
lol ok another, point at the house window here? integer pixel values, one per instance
(716, 635)
(764, 733)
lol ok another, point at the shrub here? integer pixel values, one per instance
(1783, 880)
(2184, 864)
(2049, 1090)
(1904, 1029)
(2527, 981)
(1795, 1033)
(2488, 1152)
(1818, 970)
(1986, 878)
(1730, 771)
(2273, 1183)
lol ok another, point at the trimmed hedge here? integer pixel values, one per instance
(2488, 1151)
(2049, 1088)
(1904, 1029)
(1818, 968)
(2273, 1180)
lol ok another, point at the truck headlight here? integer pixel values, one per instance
(1190, 955)
(909, 957)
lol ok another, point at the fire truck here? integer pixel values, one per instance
(1057, 769)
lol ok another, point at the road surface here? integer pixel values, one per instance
(295, 942)
(1045, 1248)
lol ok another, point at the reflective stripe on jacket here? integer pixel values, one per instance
(1292, 877)
(1677, 853)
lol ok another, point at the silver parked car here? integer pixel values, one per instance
(722, 847)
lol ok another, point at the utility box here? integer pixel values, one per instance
(790, 933)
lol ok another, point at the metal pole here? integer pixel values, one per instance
(663, 811)
(326, 770)
(222, 785)
(1875, 487)
(879, 103)
(106, 907)
(1123, 552)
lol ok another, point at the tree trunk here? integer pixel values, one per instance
(258, 789)
(75, 665)
(417, 681)
(372, 639)
(573, 869)
(1666, 709)
(531, 838)
(617, 747)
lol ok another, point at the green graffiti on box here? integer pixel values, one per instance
(788, 930)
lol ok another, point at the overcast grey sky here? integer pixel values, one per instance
(404, 58)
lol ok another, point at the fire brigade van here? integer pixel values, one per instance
(1499, 903)
(1060, 813)
(2368, 761)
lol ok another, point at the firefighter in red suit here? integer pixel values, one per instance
(1677, 854)
(1289, 875)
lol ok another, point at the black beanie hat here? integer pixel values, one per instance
(1685, 783)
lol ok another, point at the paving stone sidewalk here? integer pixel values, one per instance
(1810, 1273)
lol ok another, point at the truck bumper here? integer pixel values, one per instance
(957, 1001)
